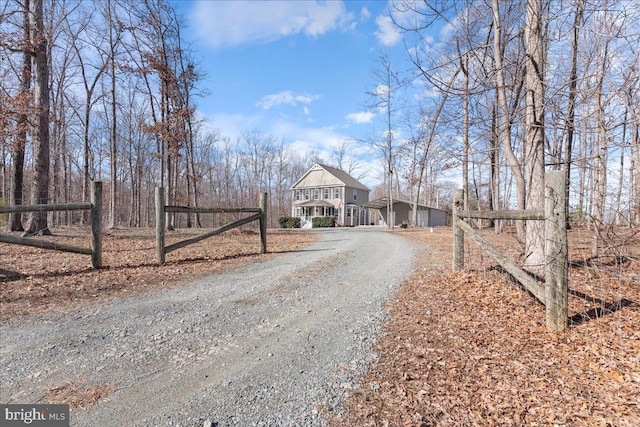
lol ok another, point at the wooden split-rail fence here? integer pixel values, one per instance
(259, 214)
(95, 208)
(553, 294)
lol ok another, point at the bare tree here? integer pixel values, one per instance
(504, 114)
(343, 161)
(37, 221)
(384, 99)
(15, 219)
(535, 41)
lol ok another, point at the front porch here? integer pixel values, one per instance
(353, 215)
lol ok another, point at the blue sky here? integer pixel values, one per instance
(296, 69)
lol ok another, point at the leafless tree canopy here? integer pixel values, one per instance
(108, 90)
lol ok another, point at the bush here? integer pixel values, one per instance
(323, 221)
(289, 222)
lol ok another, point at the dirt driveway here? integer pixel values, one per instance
(278, 342)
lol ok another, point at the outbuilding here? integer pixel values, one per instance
(402, 213)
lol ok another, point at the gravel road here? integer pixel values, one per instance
(274, 343)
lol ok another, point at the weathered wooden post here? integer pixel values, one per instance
(263, 223)
(96, 224)
(160, 224)
(555, 248)
(458, 233)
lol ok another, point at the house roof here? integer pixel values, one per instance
(383, 201)
(340, 175)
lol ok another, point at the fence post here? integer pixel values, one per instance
(263, 223)
(96, 224)
(458, 234)
(160, 216)
(555, 248)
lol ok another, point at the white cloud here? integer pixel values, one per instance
(382, 91)
(387, 34)
(232, 23)
(231, 125)
(299, 136)
(365, 14)
(360, 117)
(286, 97)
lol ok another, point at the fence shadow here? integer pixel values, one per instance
(7, 276)
(604, 307)
(10, 276)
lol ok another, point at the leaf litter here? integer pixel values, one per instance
(471, 348)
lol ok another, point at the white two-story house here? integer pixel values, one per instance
(326, 191)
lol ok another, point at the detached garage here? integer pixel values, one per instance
(402, 213)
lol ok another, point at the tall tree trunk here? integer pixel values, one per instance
(37, 221)
(504, 122)
(634, 170)
(573, 84)
(582, 176)
(600, 174)
(15, 219)
(534, 121)
(464, 64)
(113, 147)
(495, 168)
(623, 149)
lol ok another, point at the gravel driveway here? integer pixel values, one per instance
(274, 343)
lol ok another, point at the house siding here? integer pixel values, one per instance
(309, 196)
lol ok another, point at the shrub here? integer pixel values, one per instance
(289, 222)
(323, 221)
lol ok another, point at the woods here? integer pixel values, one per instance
(108, 91)
(495, 93)
(517, 88)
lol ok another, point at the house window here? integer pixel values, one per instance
(355, 194)
(337, 213)
(326, 193)
(348, 213)
(298, 195)
(316, 194)
(298, 212)
(336, 193)
(307, 194)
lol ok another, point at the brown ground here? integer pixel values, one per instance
(35, 280)
(471, 349)
(460, 349)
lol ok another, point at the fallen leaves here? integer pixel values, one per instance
(78, 394)
(35, 280)
(471, 348)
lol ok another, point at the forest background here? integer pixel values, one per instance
(109, 90)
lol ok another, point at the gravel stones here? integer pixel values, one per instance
(275, 343)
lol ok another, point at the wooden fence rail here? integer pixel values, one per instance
(554, 294)
(95, 208)
(259, 214)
